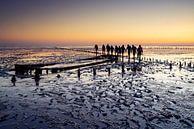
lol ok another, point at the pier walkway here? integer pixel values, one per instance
(29, 69)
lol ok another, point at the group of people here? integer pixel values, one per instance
(120, 50)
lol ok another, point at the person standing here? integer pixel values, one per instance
(103, 49)
(122, 52)
(116, 50)
(129, 51)
(108, 49)
(112, 49)
(134, 49)
(139, 52)
(96, 49)
(119, 50)
(116, 53)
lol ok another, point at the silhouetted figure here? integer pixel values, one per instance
(116, 54)
(112, 49)
(108, 49)
(96, 49)
(139, 52)
(129, 51)
(78, 74)
(37, 79)
(13, 80)
(119, 50)
(122, 51)
(103, 49)
(134, 49)
(116, 50)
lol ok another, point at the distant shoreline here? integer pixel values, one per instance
(62, 47)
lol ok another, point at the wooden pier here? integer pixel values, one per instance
(63, 67)
(29, 69)
(25, 69)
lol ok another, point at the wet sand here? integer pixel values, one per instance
(152, 98)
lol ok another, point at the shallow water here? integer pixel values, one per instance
(155, 97)
(171, 53)
(12, 56)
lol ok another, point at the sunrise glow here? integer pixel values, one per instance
(86, 22)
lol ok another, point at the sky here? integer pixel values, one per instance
(85, 22)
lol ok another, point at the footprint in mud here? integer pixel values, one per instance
(148, 90)
(24, 105)
(167, 115)
(177, 116)
(21, 95)
(3, 117)
(155, 98)
(104, 114)
(179, 87)
(186, 123)
(134, 123)
(174, 102)
(171, 92)
(138, 95)
(51, 102)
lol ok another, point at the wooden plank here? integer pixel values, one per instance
(75, 66)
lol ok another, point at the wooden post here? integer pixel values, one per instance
(30, 71)
(180, 65)
(78, 74)
(170, 66)
(108, 71)
(123, 69)
(189, 65)
(94, 72)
